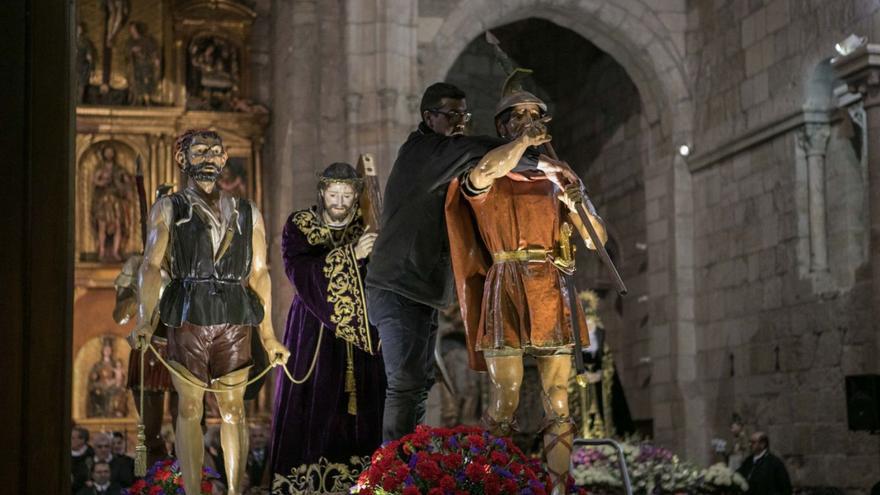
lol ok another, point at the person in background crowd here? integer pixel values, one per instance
(121, 466)
(764, 471)
(100, 482)
(80, 458)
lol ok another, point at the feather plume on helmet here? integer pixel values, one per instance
(512, 92)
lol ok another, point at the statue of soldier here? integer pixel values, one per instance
(214, 246)
(508, 243)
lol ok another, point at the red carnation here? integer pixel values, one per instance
(510, 486)
(156, 490)
(451, 461)
(499, 458)
(435, 491)
(390, 483)
(476, 441)
(401, 471)
(474, 471)
(206, 487)
(447, 483)
(411, 490)
(428, 469)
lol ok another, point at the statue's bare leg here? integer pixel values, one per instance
(559, 429)
(117, 241)
(189, 443)
(233, 428)
(102, 239)
(506, 373)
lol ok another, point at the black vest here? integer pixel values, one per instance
(201, 291)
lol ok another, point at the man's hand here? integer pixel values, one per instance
(364, 245)
(278, 354)
(535, 133)
(140, 336)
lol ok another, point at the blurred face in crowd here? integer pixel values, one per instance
(258, 437)
(76, 440)
(118, 445)
(102, 447)
(101, 473)
(757, 443)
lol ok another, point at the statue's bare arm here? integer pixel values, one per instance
(260, 282)
(149, 280)
(501, 160)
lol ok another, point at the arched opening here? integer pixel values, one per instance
(599, 126)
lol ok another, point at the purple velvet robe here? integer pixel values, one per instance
(313, 420)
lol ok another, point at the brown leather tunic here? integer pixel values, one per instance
(524, 304)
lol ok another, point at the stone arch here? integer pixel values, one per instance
(651, 54)
(640, 42)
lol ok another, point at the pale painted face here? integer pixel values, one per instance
(339, 200)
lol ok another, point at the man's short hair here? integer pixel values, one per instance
(83, 433)
(98, 463)
(433, 97)
(184, 141)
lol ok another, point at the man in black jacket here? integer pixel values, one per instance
(410, 274)
(764, 471)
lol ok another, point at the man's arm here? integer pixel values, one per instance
(261, 284)
(149, 281)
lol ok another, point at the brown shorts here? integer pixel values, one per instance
(210, 352)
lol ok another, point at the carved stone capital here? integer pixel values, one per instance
(388, 97)
(353, 103)
(813, 138)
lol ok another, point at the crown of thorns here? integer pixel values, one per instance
(340, 173)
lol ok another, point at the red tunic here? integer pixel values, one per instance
(509, 306)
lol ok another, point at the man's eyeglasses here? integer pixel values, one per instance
(453, 115)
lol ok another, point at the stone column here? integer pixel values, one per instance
(381, 60)
(813, 140)
(861, 71)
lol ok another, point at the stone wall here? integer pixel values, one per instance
(778, 329)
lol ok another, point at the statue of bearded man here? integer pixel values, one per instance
(214, 246)
(334, 411)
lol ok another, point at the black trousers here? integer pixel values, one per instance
(408, 331)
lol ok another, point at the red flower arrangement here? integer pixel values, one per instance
(456, 461)
(164, 478)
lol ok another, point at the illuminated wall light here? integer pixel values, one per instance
(684, 150)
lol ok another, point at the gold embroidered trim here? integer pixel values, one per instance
(322, 477)
(345, 292)
(316, 232)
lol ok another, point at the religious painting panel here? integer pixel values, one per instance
(121, 49)
(107, 214)
(213, 73)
